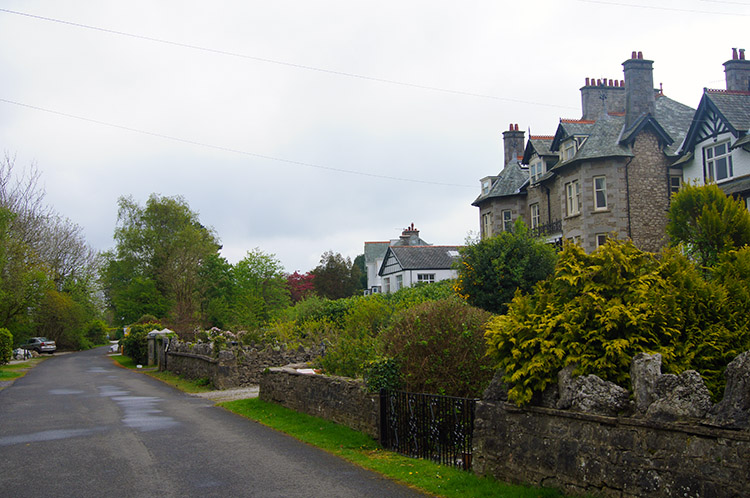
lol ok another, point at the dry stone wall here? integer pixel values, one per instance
(588, 436)
(236, 366)
(338, 399)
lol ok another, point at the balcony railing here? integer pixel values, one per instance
(552, 228)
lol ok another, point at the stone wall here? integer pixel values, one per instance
(589, 436)
(232, 367)
(609, 456)
(338, 399)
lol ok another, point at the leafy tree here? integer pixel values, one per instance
(707, 223)
(216, 288)
(22, 276)
(162, 242)
(39, 251)
(260, 290)
(63, 320)
(359, 262)
(335, 277)
(300, 286)
(493, 269)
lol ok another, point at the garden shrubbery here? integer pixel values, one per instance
(600, 309)
(135, 344)
(440, 347)
(6, 346)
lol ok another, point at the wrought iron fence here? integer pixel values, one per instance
(438, 428)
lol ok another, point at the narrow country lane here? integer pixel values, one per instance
(78, 425)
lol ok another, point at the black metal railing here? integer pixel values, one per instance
(437, 428)
(551, 228)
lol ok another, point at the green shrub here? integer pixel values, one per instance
(96, 332)
(441, 348)
(601, 309)
(347, 353)
(135, 344)
(493, 269)
(6, 346)
(382, 373)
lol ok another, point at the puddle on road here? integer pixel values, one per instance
(98, 370)
(110, 391)
(141, 413)
(52, 435)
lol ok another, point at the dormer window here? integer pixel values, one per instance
(486, 184)
(536, 169)
(568, 150)
(718, 162)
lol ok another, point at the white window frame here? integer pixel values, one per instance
(427, 278)
(399, 282)
(387, 285)
(601, 239)
(569, 149)
(711, 160)
(573, 198)
(507, 217)
(675, 186)
(487, 224)
(486, 186)
(600, 187)
(534, 209)
(536, 169)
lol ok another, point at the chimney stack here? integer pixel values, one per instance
(600, 97)
(639, 88)
(737, 72)
(513, 143)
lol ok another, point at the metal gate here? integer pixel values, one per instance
(438, 428)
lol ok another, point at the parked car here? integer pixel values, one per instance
(40, 345)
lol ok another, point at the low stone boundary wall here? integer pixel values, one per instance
(233, 367)
(338, 399)
(609, 456)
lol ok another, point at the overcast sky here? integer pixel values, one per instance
(304, 126)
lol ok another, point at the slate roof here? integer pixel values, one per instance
(375, 250)
(539, 146)
(606, 137)
(733, 109)
(423, 257)
(675, 119)
(508, 182)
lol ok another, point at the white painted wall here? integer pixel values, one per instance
(693, 170)
(410, 277)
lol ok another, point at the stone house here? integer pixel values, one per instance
(717, 145)
(406, 265)
(604, 175)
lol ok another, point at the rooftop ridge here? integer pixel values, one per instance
(542, 137)
(577, 121)
(616, 113)
(730, 92)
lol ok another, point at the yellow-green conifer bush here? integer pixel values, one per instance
(600, 309)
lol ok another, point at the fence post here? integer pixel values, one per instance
(383, 418)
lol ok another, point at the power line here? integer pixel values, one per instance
(229, 149)
(670, 9)
(282, 63)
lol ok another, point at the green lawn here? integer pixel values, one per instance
(432, 478)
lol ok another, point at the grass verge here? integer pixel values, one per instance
(186, 385)
(360, 449)
(16, 370)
